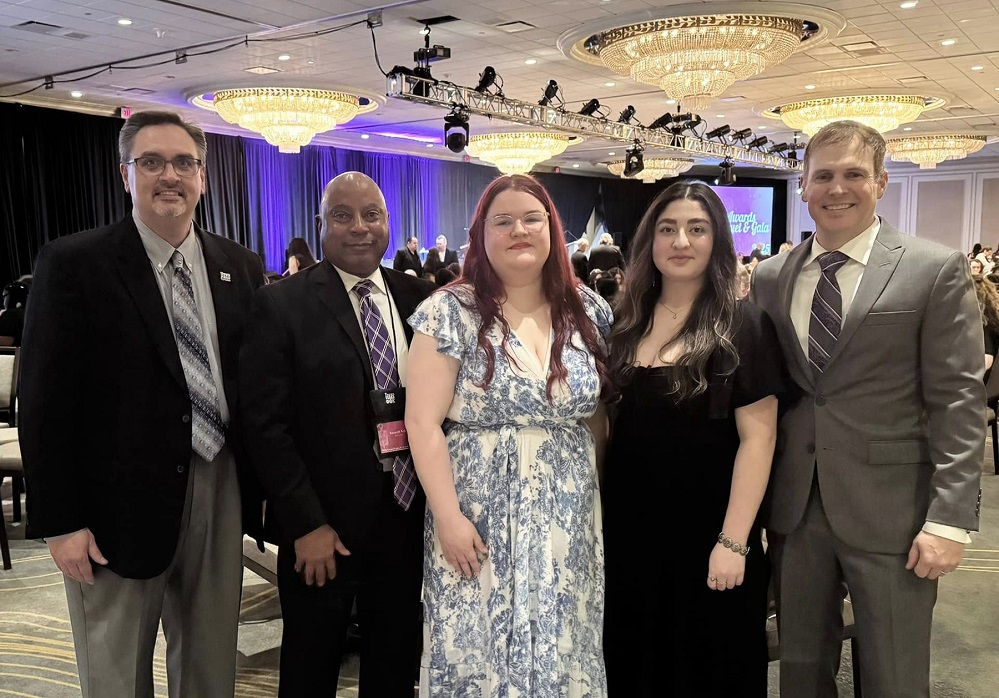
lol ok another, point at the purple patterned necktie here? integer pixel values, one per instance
(827, 311)
(386, 378)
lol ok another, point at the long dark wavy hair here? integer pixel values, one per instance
(708, 327)
(558, 282)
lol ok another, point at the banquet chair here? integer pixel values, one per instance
(991, 407)
(10, 466)
(10, 360)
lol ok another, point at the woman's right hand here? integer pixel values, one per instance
(462, 546)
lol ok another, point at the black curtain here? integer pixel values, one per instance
(67, 164)
(622, 204)
(575, 198)
(225, 208)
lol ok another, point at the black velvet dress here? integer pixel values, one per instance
(667, 482)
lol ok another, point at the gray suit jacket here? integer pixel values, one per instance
(894, 426)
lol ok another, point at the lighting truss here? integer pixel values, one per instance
(446, 95)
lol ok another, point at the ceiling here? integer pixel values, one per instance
(882, 48)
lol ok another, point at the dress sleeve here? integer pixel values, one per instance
(443, 317)
(761, 362)
(598, 310)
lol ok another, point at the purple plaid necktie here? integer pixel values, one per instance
(827, 311)
(386, 378)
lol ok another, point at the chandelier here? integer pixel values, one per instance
(655, 169)
(288, 117)
(694, 59)
(928, 151)
(518, 153)
(881, 112)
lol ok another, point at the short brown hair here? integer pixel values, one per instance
(846, 132)
(139, 120)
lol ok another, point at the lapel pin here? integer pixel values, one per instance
(225, 276)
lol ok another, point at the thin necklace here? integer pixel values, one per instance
(677, 311)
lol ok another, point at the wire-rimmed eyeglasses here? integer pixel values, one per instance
(503, 224)
(183, 165)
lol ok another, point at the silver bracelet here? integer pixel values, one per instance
(732, 545)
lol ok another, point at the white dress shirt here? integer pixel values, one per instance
(849, 277)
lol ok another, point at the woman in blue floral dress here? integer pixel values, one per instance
(510, 359)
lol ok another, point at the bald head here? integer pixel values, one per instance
(353, 223)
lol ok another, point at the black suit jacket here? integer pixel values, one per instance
(450, 257)
(105, 416)
(404, 259)
(305, 377)
(606, 257)
(580, 266)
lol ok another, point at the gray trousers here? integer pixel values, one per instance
(892, 607)
(115, 621)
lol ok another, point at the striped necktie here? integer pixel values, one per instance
(207, 428)
(386, 378)
(827, 311)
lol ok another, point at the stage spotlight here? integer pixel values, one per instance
(634, 161)
(590, 107)
(456, 130)
(662, 122)
(717, 132)
(757, 142)
(780, 147)
(727, 176)
(552, 95)
(487, 79)
(742, 135)
(626, 115)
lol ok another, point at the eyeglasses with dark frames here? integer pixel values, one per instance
(183, 165)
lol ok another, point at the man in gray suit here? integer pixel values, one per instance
(875, 483)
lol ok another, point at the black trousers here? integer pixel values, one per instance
(384, 579)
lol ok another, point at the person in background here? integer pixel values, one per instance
(447, 256)
(444, 277)
(143, 508)
(618, 275)
(580, 262)
(433, 263)
(15, 298)
(699, 374)
(743, 279)
(299, 256)
(606, 255)
(785, 246)
(988, 303)
(876, 481)
(409, 257)
(510, 361)
(985, 257)
(349, 525)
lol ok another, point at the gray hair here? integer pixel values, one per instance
(844, 133)
(139, 120)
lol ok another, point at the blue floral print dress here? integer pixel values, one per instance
(530, 624)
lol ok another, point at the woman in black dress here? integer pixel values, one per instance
(688, 462)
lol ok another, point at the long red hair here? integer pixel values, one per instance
(558, 282)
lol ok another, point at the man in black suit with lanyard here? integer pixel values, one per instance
(349, 526)
(128, 425)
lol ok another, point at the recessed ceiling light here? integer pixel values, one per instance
(575, 164)
(609, 84)
(430, 145)
(76, 93)
(719, 116)
(978, 68)
(909, 5)
(907, 128)
(670, 101)
(809, 87)
(611, 153)
(284, 57)
(311, 62)
(530, 61)
(125, 22)
(948, 42)
(365, 136)
(761, 128)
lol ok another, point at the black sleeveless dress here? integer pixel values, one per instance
(668, 477)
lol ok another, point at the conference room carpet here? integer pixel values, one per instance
(37, 659)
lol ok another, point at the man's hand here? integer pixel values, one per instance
(315, 555)
(931, 556)
(73, 553)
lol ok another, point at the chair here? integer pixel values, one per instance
(991, 407)
(10, 466)
(10, 360)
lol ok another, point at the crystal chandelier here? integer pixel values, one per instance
(655, 169)
(928, 151)
(288, 117)
(518, 153)
(881, 112)
(694, 59)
